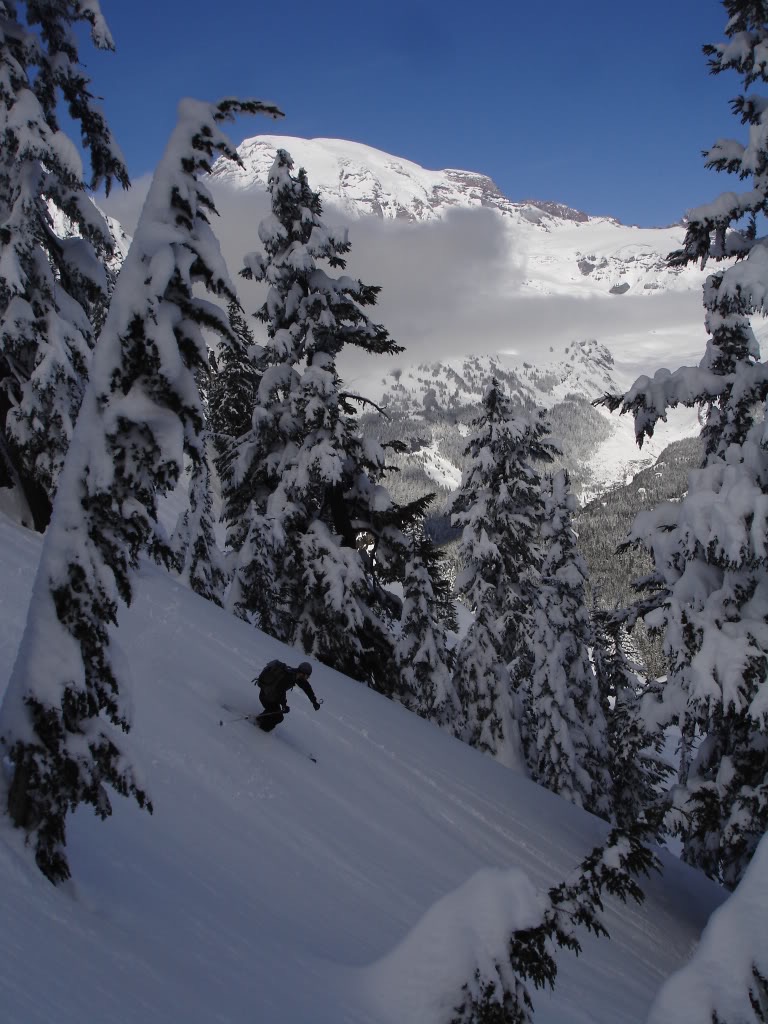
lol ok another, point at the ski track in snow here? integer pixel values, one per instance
(426, 787)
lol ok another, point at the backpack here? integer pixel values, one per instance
(271, 679)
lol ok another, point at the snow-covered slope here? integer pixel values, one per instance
(354, 890)
(552, 249)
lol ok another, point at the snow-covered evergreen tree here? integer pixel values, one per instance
(239, 433)
(200, 562)
(710, 587)
(638, 770)
(422, 653)
(333, 588)
(566, 729)
(500, 507)
(313, 481)
(227, 403)
(62, 714)
(235, 377)
(52, 280)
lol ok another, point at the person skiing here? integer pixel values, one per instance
(274, 682)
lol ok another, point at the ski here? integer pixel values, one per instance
(253, 718)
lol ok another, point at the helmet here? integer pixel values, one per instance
(305, 668)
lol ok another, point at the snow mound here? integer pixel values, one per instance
(421, 979)
(719, 975)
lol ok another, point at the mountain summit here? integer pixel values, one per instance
(362, 180)
(553, 248)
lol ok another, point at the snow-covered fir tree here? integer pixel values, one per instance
(565, 729)
(235, 377)
(252, 460)
(62, 716)
(500, 507)
(322, 531)
(423, 655)
(635, 747)
(53, 240)
(710, 586)
(235, 382)
(200, 562)
(223, 392)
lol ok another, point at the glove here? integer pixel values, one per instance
(316, 705)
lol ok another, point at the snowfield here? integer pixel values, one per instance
(360, 889)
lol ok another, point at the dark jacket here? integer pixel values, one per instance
(275, 690)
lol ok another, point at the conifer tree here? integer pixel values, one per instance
(638, 769)
(235, 377)
(239, 434)
(61, 719)
(194, 549)
(423, 656)
(709, 591)
(253, 466)
(51, 286)
(500, 508)
(566, 727)
(313, 482)
(198, 559)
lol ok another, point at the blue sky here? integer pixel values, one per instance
(602, 105)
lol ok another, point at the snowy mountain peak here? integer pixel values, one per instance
(551, 248)
(362, 180)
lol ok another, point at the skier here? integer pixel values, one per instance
(274, 682)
